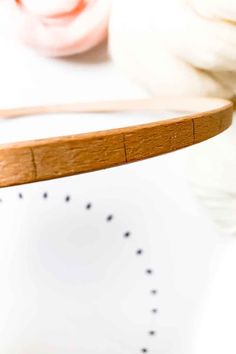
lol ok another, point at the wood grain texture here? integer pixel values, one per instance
(44, 159)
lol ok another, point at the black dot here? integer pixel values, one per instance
(152, 333)
(109, 217)
(67, 198)
(45, 195)
(154, 291)
(144, 350)
(20, 195)
(154, 310)
(139, 252)
(149, 271)
(88, 206)
(127, 234)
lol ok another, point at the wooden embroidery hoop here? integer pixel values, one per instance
(44, 159)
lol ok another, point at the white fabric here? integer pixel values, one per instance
(216, 322)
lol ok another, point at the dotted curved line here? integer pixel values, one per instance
(148, 271)
(127, 234)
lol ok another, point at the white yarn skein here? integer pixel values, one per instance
(216, 9)
(176, 48)
(186, 47)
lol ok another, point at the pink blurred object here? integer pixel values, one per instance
(62, 27)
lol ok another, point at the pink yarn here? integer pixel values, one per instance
(62, 27)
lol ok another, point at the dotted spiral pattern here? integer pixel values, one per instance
(139, 252)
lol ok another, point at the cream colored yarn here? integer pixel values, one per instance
(176, 46)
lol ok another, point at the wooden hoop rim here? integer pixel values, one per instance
(44, 159)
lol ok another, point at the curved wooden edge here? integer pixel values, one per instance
(38, 160)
